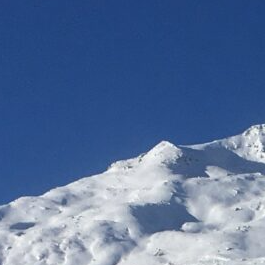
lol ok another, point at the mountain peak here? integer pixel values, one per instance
(250, 144)
(163, 146)
(164, 152)
(255, 130)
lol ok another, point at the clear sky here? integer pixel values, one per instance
(85, 83)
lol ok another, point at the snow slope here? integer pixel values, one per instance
(174, 205)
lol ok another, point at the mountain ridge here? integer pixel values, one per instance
(193, 205)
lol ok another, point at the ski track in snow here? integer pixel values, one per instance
(175, 205)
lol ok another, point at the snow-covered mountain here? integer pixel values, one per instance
(174, 205)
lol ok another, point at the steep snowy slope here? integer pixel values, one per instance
(174, 205)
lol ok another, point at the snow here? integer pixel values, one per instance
(175, 205)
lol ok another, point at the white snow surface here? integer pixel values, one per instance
(174, 205)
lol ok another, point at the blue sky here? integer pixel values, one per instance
(84, 83)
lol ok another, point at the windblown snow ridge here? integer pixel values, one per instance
(174, 205)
